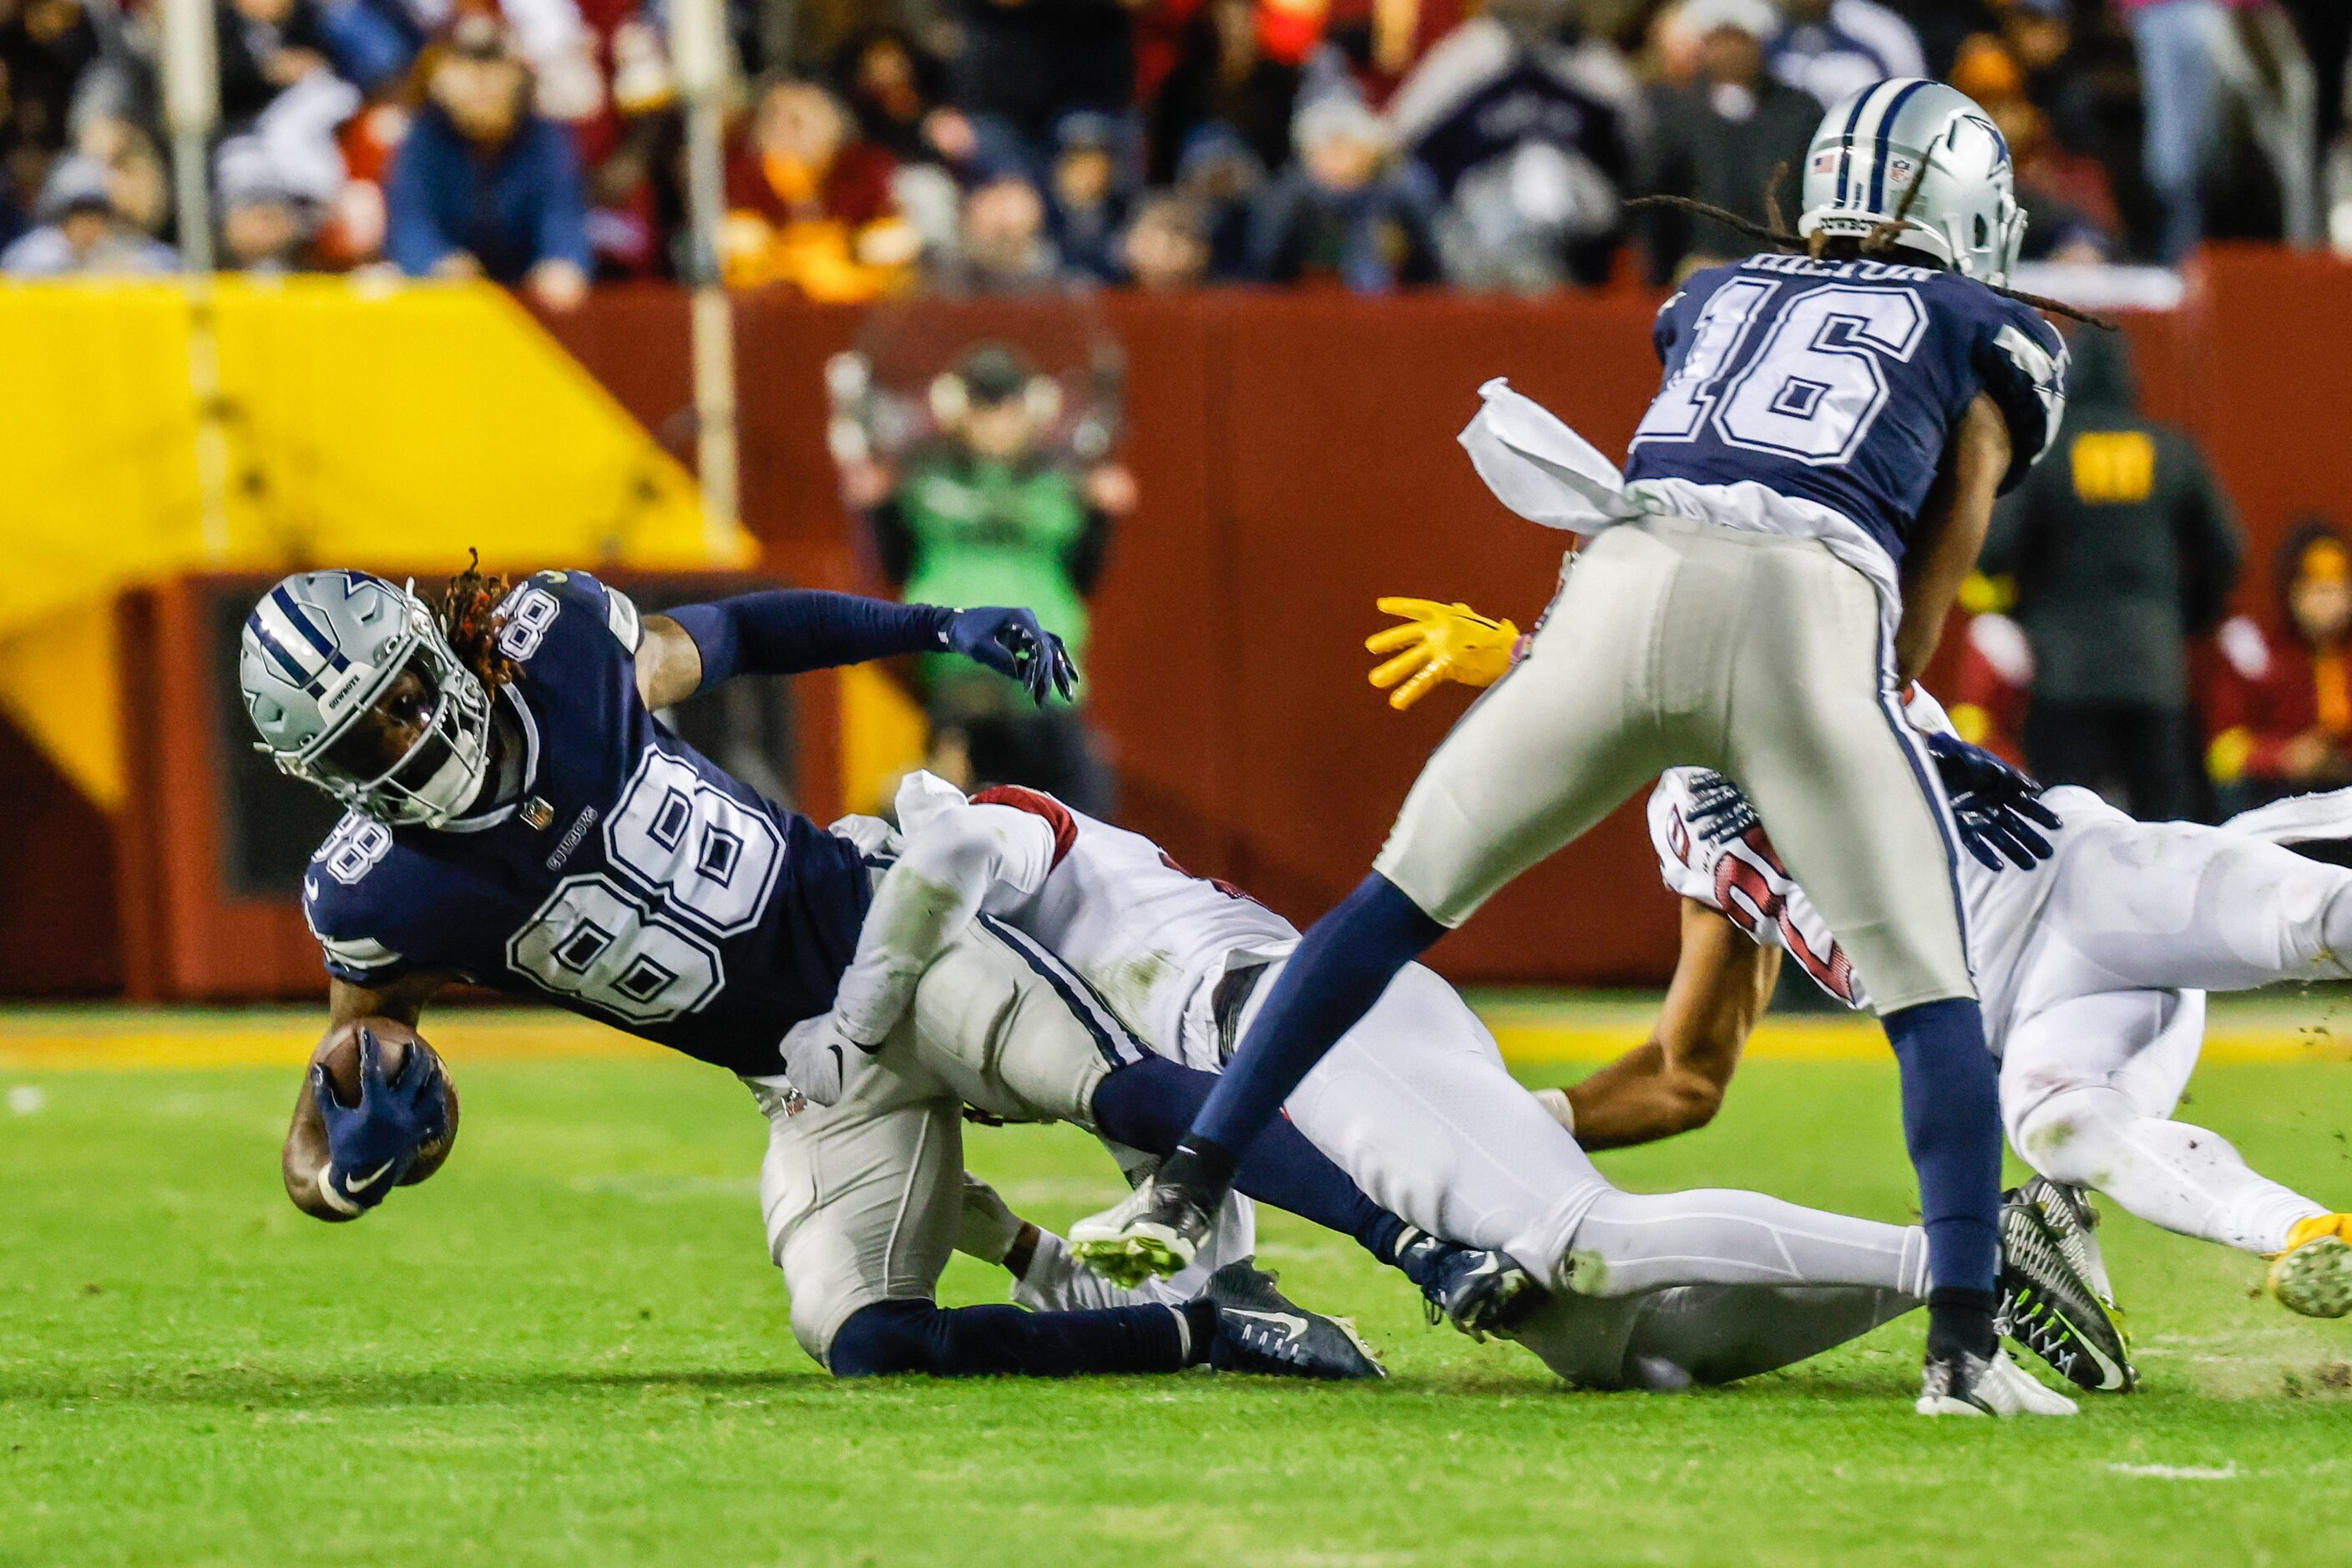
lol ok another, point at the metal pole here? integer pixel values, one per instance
(699, 52)
(192, 107)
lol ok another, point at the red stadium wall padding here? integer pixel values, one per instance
(1295, 457)
(58, 913)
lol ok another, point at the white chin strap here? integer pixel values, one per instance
(458, 782)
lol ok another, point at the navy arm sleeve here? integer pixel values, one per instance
(791, 630)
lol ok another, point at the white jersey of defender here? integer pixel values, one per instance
(1151, 938)
(2120, 905)
(1743, 879)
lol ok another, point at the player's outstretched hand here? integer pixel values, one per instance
(1438, 643)
(1997, 805)
(1011, 642)
(371, 1145)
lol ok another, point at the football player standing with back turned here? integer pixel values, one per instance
(520, 817)
(1806, 493)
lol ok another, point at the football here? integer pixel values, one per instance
(340, 1055)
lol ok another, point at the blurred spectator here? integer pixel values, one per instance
(371, 43)
(552, 39)
(82, 232)
(1348, 209)
(135, 176)
(265, 47)
(2282, 709)
(1723, 137)
(1530, 131)
(45, 47)
(1224, 77)
(1831, 47)
(987, 515)
(1942, 25)
(266, 220)
(1221, 176)
(2180, 44)
(2326, 28)
(1002, 246)
(2040, 37)
(2122, 549)
(636, 195)
(2070, 207)
(810, 206)
(482, 186)
(1088, 205)
(1026, 63)
(1167, 245)
(897, 89)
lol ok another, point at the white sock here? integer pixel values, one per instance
(2187, 1179)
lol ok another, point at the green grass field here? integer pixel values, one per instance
(571, 1349)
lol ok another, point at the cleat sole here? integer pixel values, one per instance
(2315, 1279)
(1127, 1261)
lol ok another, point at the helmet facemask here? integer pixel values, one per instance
(416, 749)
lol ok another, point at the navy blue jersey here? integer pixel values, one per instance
(1840, 383)
(631, 881)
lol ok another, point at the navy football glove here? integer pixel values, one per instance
(1996, 804)
(1011, 642)
(371, 1145)
(1720, 810)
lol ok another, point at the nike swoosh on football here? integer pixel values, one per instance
(1294, 1327)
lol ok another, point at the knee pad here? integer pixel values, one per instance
(884, 1338)
(2070, 1136)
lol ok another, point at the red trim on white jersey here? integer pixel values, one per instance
(1036, 804)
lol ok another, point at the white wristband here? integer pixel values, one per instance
(1563, 1110)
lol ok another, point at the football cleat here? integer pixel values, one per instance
(2068, 1212)
(1479, 1292)
(2314, 1275)
(1155, 1231)
(1967, 1385)
(2048, 1308)
(1261, 1330)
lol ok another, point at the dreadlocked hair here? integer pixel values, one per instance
(1881, 240)
(472, 621)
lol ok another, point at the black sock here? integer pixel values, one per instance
(1959, 1318)
(1004, 1341)
(1201, 1166)
(1201, 1320)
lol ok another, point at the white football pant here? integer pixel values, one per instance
(1678, 641)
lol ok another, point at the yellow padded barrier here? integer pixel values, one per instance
(364, 422)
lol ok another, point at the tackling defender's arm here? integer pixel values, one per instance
(1674, 1082)
(1952, 527)
(947, 868)
(305, 1156)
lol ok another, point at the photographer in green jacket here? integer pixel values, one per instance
(987, 513)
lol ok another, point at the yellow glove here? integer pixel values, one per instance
(1438, 643)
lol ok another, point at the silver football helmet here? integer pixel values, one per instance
(1875, 144)
(319, 652)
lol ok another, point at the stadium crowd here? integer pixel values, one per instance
(880, 145)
